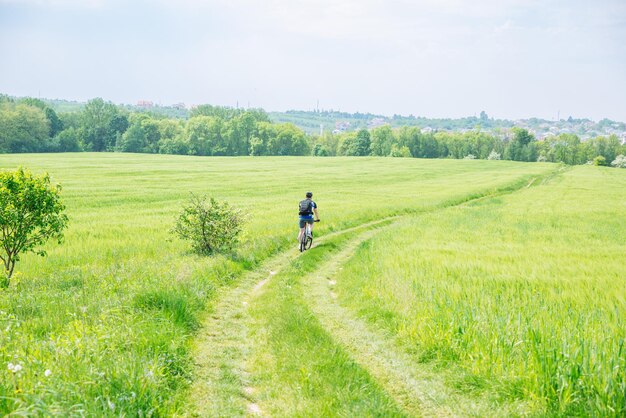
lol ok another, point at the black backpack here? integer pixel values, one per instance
(305, 207)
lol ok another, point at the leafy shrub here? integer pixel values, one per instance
(599, 161)
(403, 152)
(469, 157)
(542, 159)
(493, 155)
(619, 161)
(211, 226)
(320, 151)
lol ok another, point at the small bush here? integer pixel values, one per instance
(211, 226)
(619, 161)
(402, 152)
(469, 157)
(542, 159)
(493, 155)
(599, 161)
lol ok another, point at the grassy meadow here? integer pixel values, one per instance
(519, 297)
(502, 277)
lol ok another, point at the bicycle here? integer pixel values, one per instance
(307, 238)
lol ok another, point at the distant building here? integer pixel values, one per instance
(427, 130)
(146, 104)
(376, 122)
(341, 126)
(180, 106)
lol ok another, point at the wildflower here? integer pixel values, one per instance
(47, 373)
(15, 368)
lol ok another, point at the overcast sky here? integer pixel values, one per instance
(434, 58)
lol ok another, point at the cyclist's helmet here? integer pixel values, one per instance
(309, 194)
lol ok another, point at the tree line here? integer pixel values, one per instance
(30, 125)
(518, 145)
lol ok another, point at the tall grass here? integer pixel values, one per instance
(298, 368)
(517, 297)
(102, 326)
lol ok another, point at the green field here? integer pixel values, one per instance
(436, 287)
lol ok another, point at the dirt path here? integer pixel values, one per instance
(220, 381)
(416, 388)
(221, 385)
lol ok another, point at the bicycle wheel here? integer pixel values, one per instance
(308, 243)
(303, 243)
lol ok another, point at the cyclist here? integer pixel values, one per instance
(306, 210)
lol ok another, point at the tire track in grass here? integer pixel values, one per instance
(221, 386)
(414, 387)
(220, 381)
(298, 369)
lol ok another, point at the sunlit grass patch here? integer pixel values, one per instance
(111, 311)
(521, 296)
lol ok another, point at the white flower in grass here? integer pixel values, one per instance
(47, 373)
(15, 368)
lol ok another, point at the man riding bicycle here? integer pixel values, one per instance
(306, 210)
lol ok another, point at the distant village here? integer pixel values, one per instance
(540, 129)
(315, 122)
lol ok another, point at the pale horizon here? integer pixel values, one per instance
(438, 59)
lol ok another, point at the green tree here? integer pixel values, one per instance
(288, 140)
(237, 133)
(68, 140)
(257, 147)
(320, 151)
(220, 112)
(259, 144)
(172, 139)
(23, 128)
(410, 137)
(152, 135)
(133, 140)
(204, 136)
(169, 128)
(346, 141)
(402, 151)
(100, 125)
(356, 144)
(329, 142)
(177, 145)
(521, 147)
(362, 143)
(382, 139)
(31, 213)
(56, 124)
(430, 147)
